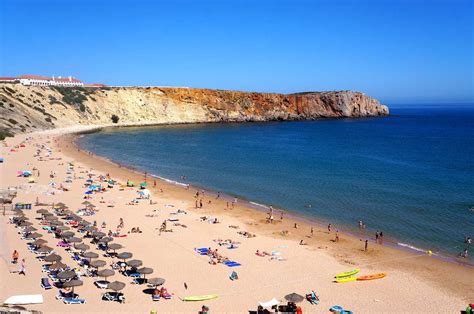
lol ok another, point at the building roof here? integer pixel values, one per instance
(7, 78)
(66, 79)
(34, 77)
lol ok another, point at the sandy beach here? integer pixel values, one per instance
(414, 282)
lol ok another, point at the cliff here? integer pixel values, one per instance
(27, 108)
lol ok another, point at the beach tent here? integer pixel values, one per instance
(143, 185)
(24, 299)
(270, 303)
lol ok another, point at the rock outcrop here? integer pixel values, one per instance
(28, 108)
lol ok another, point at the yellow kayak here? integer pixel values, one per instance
(347, 279)
(200, 297)
(348, 273)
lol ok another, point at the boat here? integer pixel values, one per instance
(200, 297)
(372, 277)
(348, 273)
(347, 279)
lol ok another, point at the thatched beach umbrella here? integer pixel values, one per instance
(74, 240)
(105, 273)
(106, 240)
(115, 246)
(294, 297)
(135, 263)
(98, 263)
(48, 214)
(52, 258)
(156, 281)
(116, 286)
(34, 235)
(67, 234)
(57, 266)
(124, 255)
(145, 271)
(98, 234)
(21, 218)
(29, 229)
(72, 284)
(25, 224)
(55, 223)
(60, 205)
(90, 255)
(51, 218)
(81, 247)
(66, 274)
(39, 242)
(42, 211)
(44, 249)
(63, 228)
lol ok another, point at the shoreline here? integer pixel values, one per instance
(405, 258)
(307, 219)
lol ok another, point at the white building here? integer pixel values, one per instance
(34, 80)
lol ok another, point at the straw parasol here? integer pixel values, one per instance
(52, 258)
(72, 284)
(67, 234)
(145, 271)
(106, 240)
(294, 297)
(81, 247)
(30, 229)
(42, 211)
(98, 234)
(90, 255)
(67, 274)
(57, 266)
(156, 281)
(63, 228)
(74, 240)
(51, 218)
(39, 242)
(98, 263)
(135, 263)
(44, 249)
(34, 235)
(60, 206)
(116, 286)
(115, 246)
(105, 273)
(124, 255)
(25, 224)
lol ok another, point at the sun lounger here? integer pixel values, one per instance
(232, 264)
(73, 301)
(114, 296)
(156, 297)
(45, 284)
(203, 250)
(101, 284)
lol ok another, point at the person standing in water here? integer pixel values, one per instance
(329, 227)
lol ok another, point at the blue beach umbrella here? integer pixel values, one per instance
(88, 192)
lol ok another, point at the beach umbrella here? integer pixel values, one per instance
(88, 192)
(42, 211)
(85, 203)
(44, 249)
(60, 206)
(74, 240)
(98, 263)
(135, 263)
(98, 234)
(294, 297)
(90, 255)
(81, 247)
(34, 235)
(115, 246)
(21, 218)
(145, 271)
(51, 218)
(105, 273)
(116, 286)
(72, 284)
(63, 228)
(55, 223)
(106, 239)
(66, 274)
(30, 229)
(156, 281)
(67, 234)
(57, 266)
(25, 224)
(39, 242)
(52, 258)
(124, 255)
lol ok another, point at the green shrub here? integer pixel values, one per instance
(82, 107)
(115, 118)
(4, 134)
(12, 121)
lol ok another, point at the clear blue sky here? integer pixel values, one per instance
(399, 51)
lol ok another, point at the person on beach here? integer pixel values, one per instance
(196, 203)
(329, 227)
(377, 237)
(303, 243)
(121, 224)
(337, 236)
(296, 225)
(360, 224)
(464, 254)
(22, 268)
(281, 215)
(154, 183)
(15, 256)
(218, 195)
(381, 237)
(200, 203)
(366, 246)
(312, 231)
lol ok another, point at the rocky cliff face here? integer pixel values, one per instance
(24, 108)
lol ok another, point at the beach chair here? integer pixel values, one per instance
(45, 284)
(155, 297)
(312, 298)
(234, 276)
(74, 301)
(62, 295)
(101, 284)
(165, 294)
(114, 296)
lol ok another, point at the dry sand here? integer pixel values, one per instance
(415, 282)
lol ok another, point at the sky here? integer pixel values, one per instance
(399, 51)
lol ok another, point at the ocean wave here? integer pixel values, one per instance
(168, 180)
(260, 205)
(411, 247)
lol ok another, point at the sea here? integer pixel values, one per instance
(409, 175)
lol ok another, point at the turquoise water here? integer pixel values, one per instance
(410, 175)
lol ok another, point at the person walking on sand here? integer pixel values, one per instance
(281, 215)
(377, 237)
(329, 227)
(22, 268)
(312, 232)
(337, 236)
(381, 237)
(366, 246)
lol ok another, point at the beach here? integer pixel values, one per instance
(414, 282)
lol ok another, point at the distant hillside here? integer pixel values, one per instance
(28, 108)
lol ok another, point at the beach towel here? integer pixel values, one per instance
(202, 251)
(270, 303)
(232, 264)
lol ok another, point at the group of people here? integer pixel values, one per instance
(22, 268)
